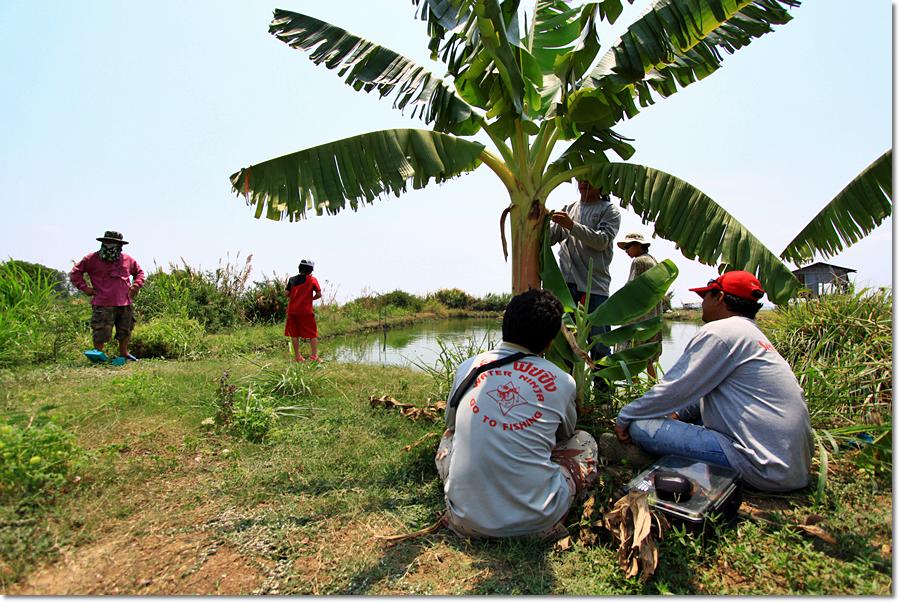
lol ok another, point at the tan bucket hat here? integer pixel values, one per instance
(633, 237)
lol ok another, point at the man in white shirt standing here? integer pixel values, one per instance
(511, 461)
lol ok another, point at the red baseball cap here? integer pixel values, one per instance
(739, 283)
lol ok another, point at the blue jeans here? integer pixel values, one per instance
(670, 436)
(599, 350)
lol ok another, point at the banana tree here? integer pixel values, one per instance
(528, 90)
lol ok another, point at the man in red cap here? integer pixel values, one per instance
(731, 399)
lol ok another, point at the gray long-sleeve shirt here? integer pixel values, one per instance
(748, 395)
(596, 226)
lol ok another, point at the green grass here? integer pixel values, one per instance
(304, 505)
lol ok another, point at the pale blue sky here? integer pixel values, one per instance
(132, 115)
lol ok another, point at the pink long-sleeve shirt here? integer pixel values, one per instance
(111, 280)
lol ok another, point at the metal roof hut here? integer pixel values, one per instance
(824, 279)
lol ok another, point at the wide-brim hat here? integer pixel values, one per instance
(633, 237)
(111, 236)
(739, 283)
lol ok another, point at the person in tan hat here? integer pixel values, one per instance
(115, 278)
(637, 248)
(731, 399)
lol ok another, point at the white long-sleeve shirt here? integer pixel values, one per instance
(748, 395)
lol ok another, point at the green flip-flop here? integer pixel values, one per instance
(96, 356)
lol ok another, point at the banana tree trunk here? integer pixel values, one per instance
(526, 221)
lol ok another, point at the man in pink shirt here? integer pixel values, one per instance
(111, 288)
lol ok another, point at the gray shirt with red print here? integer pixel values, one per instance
(501, 480)
(748, 395)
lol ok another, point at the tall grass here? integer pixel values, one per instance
(212, 298)
(840, 347)
(35, 323)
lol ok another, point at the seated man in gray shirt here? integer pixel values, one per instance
(753, 417)
(511, 460)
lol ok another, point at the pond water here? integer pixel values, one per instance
(418, 344)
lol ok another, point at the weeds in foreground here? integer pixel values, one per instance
(37, 460)
(252, 409)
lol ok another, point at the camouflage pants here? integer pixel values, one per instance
(104, 318)
(577, 460)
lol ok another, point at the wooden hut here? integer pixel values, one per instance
(823, 279)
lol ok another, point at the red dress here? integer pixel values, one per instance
(301, 322)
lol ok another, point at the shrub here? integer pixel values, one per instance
(37, 460)
(266, 301)
(492, 302)
(456, 299)
(214, 299)
(168, 337)
(401, 299)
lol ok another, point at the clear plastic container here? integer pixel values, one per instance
(714, 489)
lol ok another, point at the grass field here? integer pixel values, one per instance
(166, 497)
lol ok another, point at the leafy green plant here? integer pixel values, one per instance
(168, 337)
(254, 416)
(32, 315)
(37, 460)
(252, 409)
(213, 298)
(630, 302)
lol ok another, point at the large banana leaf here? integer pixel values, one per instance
(483, 53)
(634, 361)
(702, 229)
(635, 298)
(369, 66)
(854, 213)
(639, 331)
(675, 43)
(589, 149)
(355, 169)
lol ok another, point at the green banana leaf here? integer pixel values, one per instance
(627, 363)
(674, 44)
(703, 230)
(356, 169)
(636, 297)
(369, 66)
(639, 331)
(851, 215)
